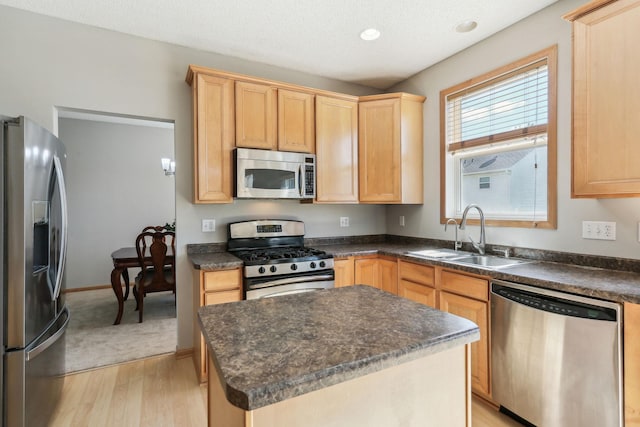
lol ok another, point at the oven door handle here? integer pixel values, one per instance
(290, 280)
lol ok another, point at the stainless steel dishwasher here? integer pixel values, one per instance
(555, 357)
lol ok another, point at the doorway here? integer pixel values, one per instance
(116, 186)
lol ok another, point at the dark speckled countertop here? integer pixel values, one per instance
(607, 284)
(272, 349)
(558, 271)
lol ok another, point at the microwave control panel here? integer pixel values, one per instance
(309, 180)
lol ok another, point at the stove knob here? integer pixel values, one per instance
(312, 265)
(322, 264)
(261, 270)
(294, 267)
(273, 269)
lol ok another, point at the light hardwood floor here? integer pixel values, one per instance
(163, 391)
(155, 392)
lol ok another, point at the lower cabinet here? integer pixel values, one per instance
(214, 287)
(379, 272)
(417, 283)
(468, 297)
(345, 271)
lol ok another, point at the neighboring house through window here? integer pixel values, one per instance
(498, 144)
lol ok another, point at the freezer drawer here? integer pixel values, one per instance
(34, 377)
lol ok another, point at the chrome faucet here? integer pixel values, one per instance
(479, 245)
(456, 245)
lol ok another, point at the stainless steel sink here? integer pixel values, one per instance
(488, 261)
(439, 253)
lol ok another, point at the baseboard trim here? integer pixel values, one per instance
(181, 353)
(88, 288)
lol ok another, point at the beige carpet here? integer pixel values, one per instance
(93, 341)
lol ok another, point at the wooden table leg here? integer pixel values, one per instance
(117, 289)
(125, 276)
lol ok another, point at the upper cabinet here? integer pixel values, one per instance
(368, 149)
(390, 148)
(606, 99)
(296, 121)
(213, 138)
(256, 119)
(336, 150)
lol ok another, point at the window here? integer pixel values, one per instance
(498, 144)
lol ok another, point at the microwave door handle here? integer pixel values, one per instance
(300, 183)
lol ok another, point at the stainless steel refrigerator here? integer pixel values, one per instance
(34, 242)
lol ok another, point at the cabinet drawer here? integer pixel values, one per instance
(467, 286)
(422, 274)
(211, 298)
(416, 292)
(222, 280)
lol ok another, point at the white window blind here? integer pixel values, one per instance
(507, 107)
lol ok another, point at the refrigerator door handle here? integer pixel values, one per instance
(34, 352)
(63, 214)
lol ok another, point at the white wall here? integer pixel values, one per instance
(50, 63)
(530, 35)
(116, 187)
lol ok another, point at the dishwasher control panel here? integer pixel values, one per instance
(554, 304)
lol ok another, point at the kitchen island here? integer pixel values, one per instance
(337, 357)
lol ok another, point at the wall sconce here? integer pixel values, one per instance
(169, 166)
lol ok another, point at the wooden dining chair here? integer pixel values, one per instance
(155, 248)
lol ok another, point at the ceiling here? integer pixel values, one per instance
(320, 37)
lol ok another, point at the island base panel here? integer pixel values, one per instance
(433, 390)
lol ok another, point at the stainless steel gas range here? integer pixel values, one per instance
(276, 262)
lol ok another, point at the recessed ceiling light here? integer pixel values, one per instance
(370, 34)
(466, 26)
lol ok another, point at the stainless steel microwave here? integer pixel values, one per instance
(267, 174)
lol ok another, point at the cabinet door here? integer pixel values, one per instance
(213, 287)
(417, 292)
(379, 151)
(344, 271)
(296, 121)
(388, 275)
(336, 150)
(477, 312)
(214, 137)
(606, 101)
(256, 119)
(367, 272)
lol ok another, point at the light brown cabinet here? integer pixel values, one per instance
(467, 296)
(390, 148)
(256, 119)
(336, 150)
(213, 137)
(296, 121)
(606, 99)
(270, 118)
(344, 271)
(213, 287)
(417, 283)
(379, 272)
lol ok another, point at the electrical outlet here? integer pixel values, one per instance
(401, 220)
(599, 230)
(639, 232)
(208, 225)
(344, 221)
